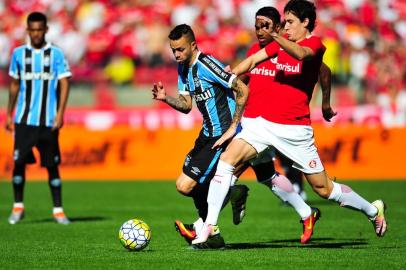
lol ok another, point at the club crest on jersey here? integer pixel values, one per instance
(312, 164)
(47, 61)
(203, 96)
(196, 81)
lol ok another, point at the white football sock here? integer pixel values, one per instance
(18, 205)
(219, 186)
(348, 198)
(57, 210)
(283, 188)
(198, 225)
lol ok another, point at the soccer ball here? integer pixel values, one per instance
(134, 234)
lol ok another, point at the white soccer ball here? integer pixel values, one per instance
(134, 234)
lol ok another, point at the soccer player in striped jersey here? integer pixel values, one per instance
(202, 78)
(39, 87)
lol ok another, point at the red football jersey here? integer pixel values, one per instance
(288, 100)
(261, 79)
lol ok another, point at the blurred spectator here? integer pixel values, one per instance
(5, 47)
(120, 70)
(105, 40)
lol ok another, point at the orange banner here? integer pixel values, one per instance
(124, 153)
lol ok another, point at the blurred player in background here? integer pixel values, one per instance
(285, 122)
(40, 87)
(203, 78)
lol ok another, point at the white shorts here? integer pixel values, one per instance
(294, 141)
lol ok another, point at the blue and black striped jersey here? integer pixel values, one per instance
(38, 71)
(210, 86)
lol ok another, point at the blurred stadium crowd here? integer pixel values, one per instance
(125, 41)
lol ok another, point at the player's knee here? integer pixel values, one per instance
(228, 158)
(183, 188)
(322, 191)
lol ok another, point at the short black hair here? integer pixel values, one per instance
(182, 30)
(302, 9)
(37, 17)
(271, 13)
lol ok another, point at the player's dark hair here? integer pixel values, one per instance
(302, 9)
(37, 17)
(182, 30)
(271, 13)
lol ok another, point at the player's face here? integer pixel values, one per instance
(295, 29)
(36, 32)
(182, 49)
(263, 28)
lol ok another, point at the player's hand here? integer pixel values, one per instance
(158, 91)
(328, 113)
(58, 122)
(229, 134)
(9, 124)
(227, 68)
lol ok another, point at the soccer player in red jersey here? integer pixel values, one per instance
(284, 120)
(262, 76)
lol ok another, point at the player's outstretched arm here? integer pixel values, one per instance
(241, 97)
(64, 86)
(293, 48)
(183, 103)
(12, 99)
(325, 83)
(249, 63)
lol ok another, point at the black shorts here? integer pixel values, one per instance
(201, 162)
(263, 164)
(43, 138)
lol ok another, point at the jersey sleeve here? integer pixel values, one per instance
(314, 43)
(14, 70)
(213, 71)
(61, 66)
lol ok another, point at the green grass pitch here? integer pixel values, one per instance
(268, 238)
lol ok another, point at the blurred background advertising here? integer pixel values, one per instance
(118, 49)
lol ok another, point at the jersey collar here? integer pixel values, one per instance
(197, 58)
(47, 45)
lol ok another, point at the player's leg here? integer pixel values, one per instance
(306, 158)
(48, 147)
(264, 169)
(190, 188)
(198, 192)
(293, 174)
(238, 151)
(17, 213)
(24, 139)
(198, 169)
(346, 197)
(280, 185)
(238, 195)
